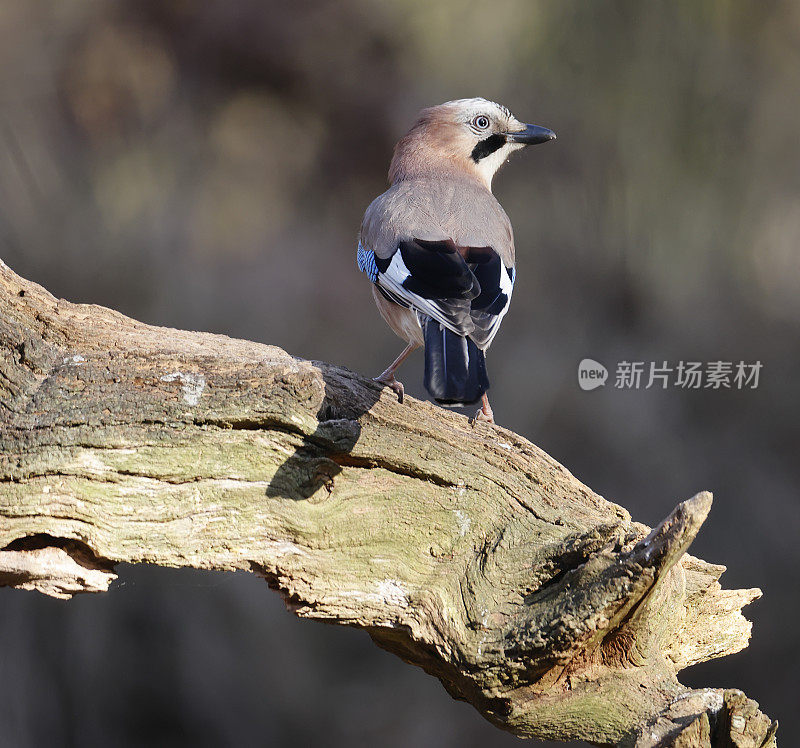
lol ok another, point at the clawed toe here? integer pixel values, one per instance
(393, 384)
(484, 413)
(387, 377)
(481, 416)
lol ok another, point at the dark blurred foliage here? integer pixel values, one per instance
(206, 165)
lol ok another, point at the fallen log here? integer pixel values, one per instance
(464, 550)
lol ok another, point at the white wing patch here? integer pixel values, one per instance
(507, 276)
(397, 269)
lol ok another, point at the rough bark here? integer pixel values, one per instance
(466, 551)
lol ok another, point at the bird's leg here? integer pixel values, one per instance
(485, 412)
(387, 377)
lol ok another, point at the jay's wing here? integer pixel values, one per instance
(466, 289)
(490, 306)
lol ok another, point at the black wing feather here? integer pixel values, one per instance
(464, 288)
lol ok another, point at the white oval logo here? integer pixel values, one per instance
(591, 374)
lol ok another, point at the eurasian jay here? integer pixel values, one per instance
(439, 249)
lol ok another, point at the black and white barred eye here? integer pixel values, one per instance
(481, 122)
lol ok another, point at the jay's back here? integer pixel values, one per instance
(436, 208)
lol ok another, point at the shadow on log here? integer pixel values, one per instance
(466, 551)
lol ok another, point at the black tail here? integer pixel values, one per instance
(455, 368)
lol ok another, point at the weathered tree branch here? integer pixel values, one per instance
(468, 552)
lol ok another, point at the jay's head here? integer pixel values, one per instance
(468, 137)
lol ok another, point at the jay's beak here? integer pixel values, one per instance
(531, 135)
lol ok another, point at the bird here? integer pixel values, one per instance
(439, 248)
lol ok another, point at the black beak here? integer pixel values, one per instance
(531, 135)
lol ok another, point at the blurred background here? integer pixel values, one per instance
(206, 166)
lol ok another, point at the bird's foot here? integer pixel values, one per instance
(388, 379)
(481, 416)
(484, 413)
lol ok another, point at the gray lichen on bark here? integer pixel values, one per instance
(466, 551)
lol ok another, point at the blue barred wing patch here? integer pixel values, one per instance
(365, 258)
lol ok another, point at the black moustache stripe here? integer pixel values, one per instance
(487, 146)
